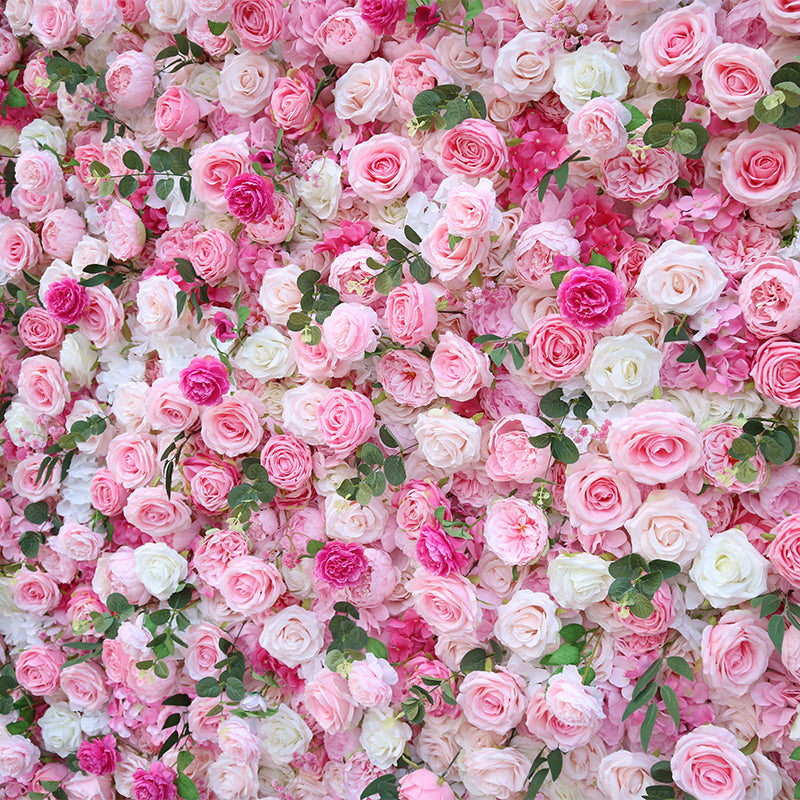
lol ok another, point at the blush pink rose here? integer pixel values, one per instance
(776, 371)
(448, 603)
(407, 378)
(598, 128)
(124, 231)
(131, 79)
(38, 171)
(42, 385)
(177, 115)
(39, 331)
(735, 77)
(203, 653)
(536, 248)
(769, 296)
(287, 460)
(453, 265)
(107, 493)
(327, 698)
(167, 519)
(53, 23)
(558, 350)
(383, 168)
(460, 370)
(233, 427)
(210, 487)
(62, 231)
(35, 592)
(85, 686)
(291, 106)
(350, 331)
(38, 669)
(410, 313)
(27, 482)
(493, 701)
(214, 165)
(470, 210)
(103, 317)
(258, 23)
(763, 167)
(512, 457)
(213, 255)
(216, 550)
(784, 550)
(132, 459)
(250, 585)
(475, 147)
(655, 444)
(708, 764)
(780, 16)
(19, 247)
(422, 784)
(640, 176)
(516, 531)
(167, 409)
(346, 419)
(78, 542)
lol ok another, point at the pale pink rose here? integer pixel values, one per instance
(167, 519)
(26, 481)
(470, 210)
(177, 115)
(167, 409)
(345, 38)
(258, 23)
(39, 330)
(382, 168)
(213, 255)
(103, 317)
(447, 440)
(780, 16)
(346, 419)
(10, 51)
(535, 248)
(763, 167)
(493, 701)
(558, 350)
(500, 773)
(108, 495)
(233, 427)
(132, 459)
(213, 165)
(708, 764)
(124, 231)
(599, 496)
(131, 79)
(97, 17)
(768, 297)
(353, 278)
(453, 265)
(641, 175)
(38, 669)
(328, 700)
(18, 757)
(524, 66)
(447, 603)
(677, 42)
(734, 78)
(202, 651)
(735, 653)
(407, 378)
(85, 686)
(315, 360)
(370, 682)
(78, 542)
(410, 313)
(246, 83)
(210, 487)
(784, 550)
(475, 147)
(291, 106)
(511, 455)
(53, 23)
(363, 94)
(35, 592)
(598, 128)
(527, 624)
(460, 370)
(516, 531)
(19, 247)
(203, 725)
(776, 371)
(250, 585)
(350, 331)
(38, 171)
(655, 444)
(624, 775)
(216, 550)
(42, 385)
(422, 784)
(566, 714)
(287, 460)
(278, 225)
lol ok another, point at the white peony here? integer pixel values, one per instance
(321, 187)
(61, 729)
(284, 734)
(578, 579)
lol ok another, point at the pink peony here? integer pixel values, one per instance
(98, 756)
(340, 564)
(250, 197)
(66, 300)
(155, 783)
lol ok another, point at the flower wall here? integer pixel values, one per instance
(399, 400)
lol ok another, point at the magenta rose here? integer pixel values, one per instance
(383, 15)
(204, 381)
(66, 300)
(250, 197)
(157, 783)
(591, 297)
(340, 564)
(98, 756)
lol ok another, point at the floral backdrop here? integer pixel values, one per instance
(399, 400)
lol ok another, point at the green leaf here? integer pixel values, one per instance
(599, 260)
(564, 449)
(637, 118)
(208, 687)
(377, 648)
(677, 333)
(537, 781)
(555, 760)
(474, 660)
(671, 702)
(681, 666)
(383, 283)
(659, 135)
(768, 110)
(561, 175)
(186, 788)
(668, 569)
(185, 270)
(661, 793)
(394, 469)
(455, 112)
(164, 187)
(557, 277)
(572, 632)
(684, 141)
(29, 543)
(161, 670)
(566, 654)
(426, 103)
(235, 690)
(641, 607)
(628, 567)
(776, 630)
(668, 110)
(183, 760)
(118, 604)
(177, 700)
(132, 160)
(552, 406)
(661, 771)
(420, 270)
(648, 724)
(387, 437)
(385, 787)
(371, 454)
(412, 235)
(348, 609)
(684, 84)
(771, 450)
(477, 104)
(99, 169)
(37, 513)
(396, 250)
(745, 472)
(649, 584)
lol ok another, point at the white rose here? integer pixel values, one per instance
(527, 624)
(284, 734)
(89, 251)
(589, 69)
(157, 303)
(129, 405)
(266, 355)
(680, 278)
(578, 579)
(383, 737)
(246, 83)
(349, 521)
(524, 67)
(624, 369)
(300, 405)
(159, 568)
(447, 440)
(364, 92)
(624, 775)
(229, 779)
(40, 132)
(729, 570)
(279, 295)
(78, 358)
(746, 403)
(299, 581)
(321, 188)
(61, 729)
(168, 16)
(19, 13)
(202, 80)
(21, 424)
(294, 636)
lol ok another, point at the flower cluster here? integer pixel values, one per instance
(399, 400)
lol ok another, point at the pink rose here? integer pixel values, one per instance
(214, 165)
(558, 350)
(291, 106)
(353, 278)
(460, 370)
(422, 784)
(103, 317)
(287, 460)
(516, 531)
(475, 148)
(718, 466)
(215, 552)
(437, 551)
(131, 79)
(784, 550)
(210, 487)
(780, 16)
(177, 115)
(591, 297)
(493, 701)
(370, 682)
(708, 764)
(350, 331)
(124, 231)
(250, 585)
(39, 331)
(18, 758)
(340, 564)
(42, 385)
(98, 756)
(132, 459)
(410, 313)
(735, 77)
(345, 38)
(677, 42)
(39, 172)
(776, 371)
(38, 669)
(258, 23)
(203, 653)
(213, 255)
(411, 74)
(762, 167)
(407, 378)
(250, 197)
(35, 592)
(383, 168)
(27, 482)
(655, 444)
(85, 686)
(167, 409)
(470, 210)
(205, 381)
(598, 128)
(447, 603)
(233, 427)
(53, 23)
(346, 420)
(107, 493)
(116, 572)
(155, 783)
(62, 231)
(769, 295)
(78, 542)
(167, 519)
(453, 265)
(327, 698)
(511, 455)
(19, 247)
(277, 226)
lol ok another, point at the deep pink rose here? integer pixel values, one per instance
(383, 15)
(205, 381)
(340, 564)
(98, 756)
(157, 783)
(66, 300)
(250, 197)
(591, 297)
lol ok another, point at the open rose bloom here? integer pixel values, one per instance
(399, 399)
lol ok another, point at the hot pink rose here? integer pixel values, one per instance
(42, 385)
(493, 701)
(460, 370)
(155, 783)
(407, 377)
(250, 197)
(708, 764)
(39, 331)
(340, 564)
(38, 669)
(382, 168)
(66, 300)
(205, 381)
(258, 23)
(250, 585)
(591, 297)
(410, 313)
(130, 80)
(776, 371)
(287, 460)
(474, 147)
(346, 420)
(558, 350)
(98, 756)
